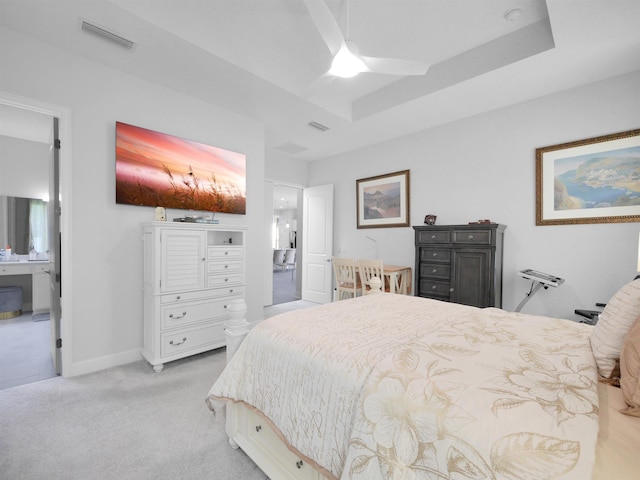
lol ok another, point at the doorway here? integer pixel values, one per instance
(30, 339)
(285, 243)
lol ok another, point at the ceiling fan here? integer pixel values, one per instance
(347, 61)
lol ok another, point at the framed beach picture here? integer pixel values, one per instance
(596, 180)
(383, 201)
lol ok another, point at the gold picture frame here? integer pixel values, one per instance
(596, 180)
(383, 201)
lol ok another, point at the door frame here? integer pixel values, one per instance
(64, 125)
(269, 184)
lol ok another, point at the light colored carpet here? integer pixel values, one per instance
(122, 423)
(40, 317)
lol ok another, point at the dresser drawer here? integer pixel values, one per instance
(435, 271)
(439, 255)
(186, 313)
(260, 434)
(472, 237)
(224, 267)
(191, 339)
(433, 236)
(188, 296)
(223, 280)
(434, 288)
(218, 253)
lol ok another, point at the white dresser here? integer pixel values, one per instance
(191, 273)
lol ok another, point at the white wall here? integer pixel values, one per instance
(288, 171)
(24, 168)
(484, 167)
(106, 258)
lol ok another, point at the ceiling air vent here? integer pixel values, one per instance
(290, 147)
(319, 126)
(106, 34)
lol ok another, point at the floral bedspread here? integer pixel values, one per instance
(397, 387)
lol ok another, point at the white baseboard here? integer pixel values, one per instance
(102, 363)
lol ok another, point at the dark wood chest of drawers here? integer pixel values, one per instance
(460, 263)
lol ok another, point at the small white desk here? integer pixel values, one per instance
(39, 272)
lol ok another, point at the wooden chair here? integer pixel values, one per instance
(369, 269)
(347, 280)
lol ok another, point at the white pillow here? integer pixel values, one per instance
(615, 321)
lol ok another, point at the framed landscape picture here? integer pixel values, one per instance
(596, 180)
(383, 201)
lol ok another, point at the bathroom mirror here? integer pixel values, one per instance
(23, 224)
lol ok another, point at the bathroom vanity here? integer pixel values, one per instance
(33, 277)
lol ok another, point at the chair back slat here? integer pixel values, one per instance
(347, 281)
(369, 269)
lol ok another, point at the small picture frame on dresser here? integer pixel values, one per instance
(430, 219)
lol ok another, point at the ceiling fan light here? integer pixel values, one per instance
(346, 65)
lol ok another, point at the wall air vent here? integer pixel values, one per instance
(319, 126)
(106, 34)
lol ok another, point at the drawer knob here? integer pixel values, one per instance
(451, 289)
(435, 270)
(203, 259)
(184, 314)
(433, 236)
(226, 266)
(175, 344)
(470, 237)
(178, 297)
(435, 254)
(231, 290)
(299, 464)
(226, 253)
(258, 428)
(433, 287)
(226, 279)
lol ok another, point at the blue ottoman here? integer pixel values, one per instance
(10, 302)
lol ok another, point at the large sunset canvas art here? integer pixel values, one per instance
(159, 170)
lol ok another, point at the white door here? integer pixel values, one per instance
(317, 244)
(55, 249)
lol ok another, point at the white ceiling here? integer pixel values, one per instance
(258, 57)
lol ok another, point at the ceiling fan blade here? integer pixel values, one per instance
(394, 66)
(318, 84)
(326, 24)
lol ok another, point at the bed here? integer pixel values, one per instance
(387, 386)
